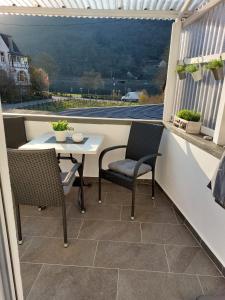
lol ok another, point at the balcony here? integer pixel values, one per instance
(170, 251)
(175, 247)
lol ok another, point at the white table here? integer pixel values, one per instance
(91, 146)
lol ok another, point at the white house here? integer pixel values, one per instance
(14, 63)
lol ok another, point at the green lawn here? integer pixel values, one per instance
(62, 105)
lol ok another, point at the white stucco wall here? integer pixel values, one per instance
(113, 135)
(184, 172)
(4, 48)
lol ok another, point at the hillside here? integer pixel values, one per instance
(118, 50)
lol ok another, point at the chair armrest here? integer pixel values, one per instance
(142, 160)
(107, 150)
(70, 174)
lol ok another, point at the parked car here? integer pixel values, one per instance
(131, 97)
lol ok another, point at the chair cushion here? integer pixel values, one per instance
(126, 167)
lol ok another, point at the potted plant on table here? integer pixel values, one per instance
(216, 66)
(188, 120)
(181, 72)
(60, 129)
(195, 71)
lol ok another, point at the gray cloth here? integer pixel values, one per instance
(126, 167)
(222, 297)
(217, 183)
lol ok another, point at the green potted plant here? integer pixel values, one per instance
(216, 66)
(60, 129)
(188, 120)
(181, 72)
(195, 70)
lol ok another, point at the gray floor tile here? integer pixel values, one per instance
(180, 218)
(106, 187)
(131, 256)
(124, 198)
(119, 247)
(26, 242)
(191, 260)
(111, 230)
(167, 234)
(64, 283)
(145, 188)
(32, 211)
(91, 194)
(51, 251)
(29, 273)
(118, 198)
(213, 285)
(111, 187)
(139, 285)
(162, 214)
(97, 212)
(49, 227)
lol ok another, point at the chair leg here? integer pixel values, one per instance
(18, 220)
(133, 203)
(40, 208)
(153, 184)
(64, 224)
(99, 189)
(82, 206)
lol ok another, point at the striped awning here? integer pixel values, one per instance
(140, 9)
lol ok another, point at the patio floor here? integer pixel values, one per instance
(155, 257)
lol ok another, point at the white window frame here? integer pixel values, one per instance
(7, 223)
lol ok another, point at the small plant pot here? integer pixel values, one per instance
(181, 75)
(197, 76)
(60, 136)
(218, 73)
(188, 126)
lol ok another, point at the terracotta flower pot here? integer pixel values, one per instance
(218, 73)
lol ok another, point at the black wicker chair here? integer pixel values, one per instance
(36, 180)
(141, 153)
(15, 132)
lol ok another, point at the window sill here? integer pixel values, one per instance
(197, 140)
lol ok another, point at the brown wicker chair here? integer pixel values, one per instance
(36, 180)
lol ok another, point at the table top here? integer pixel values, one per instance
(91, 146)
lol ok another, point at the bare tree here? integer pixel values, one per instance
(91, 80)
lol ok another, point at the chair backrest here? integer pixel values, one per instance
(15, 133)
(35, 177)
(144, 139)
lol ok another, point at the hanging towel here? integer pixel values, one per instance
(217, 184)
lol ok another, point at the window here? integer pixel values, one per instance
(2, 56)
(91, 63)
(22, 76)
